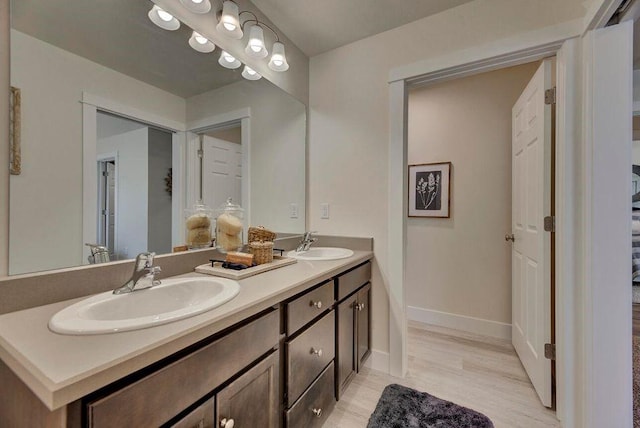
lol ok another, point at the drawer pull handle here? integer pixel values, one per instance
(317, 412)
(317, 304)
(317, 352)
(360, 306)
(227, 423)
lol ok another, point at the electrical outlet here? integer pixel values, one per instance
(293, 210)
(324, 210)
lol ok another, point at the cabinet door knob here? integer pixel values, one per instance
(317, 412)
(509, 237)
(360, 306)
(317, 304)
(227, 423)
(317, 352)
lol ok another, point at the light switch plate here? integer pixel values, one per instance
(293, 210)
(324, 210)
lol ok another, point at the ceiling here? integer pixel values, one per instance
(119, 35)
(319, 26)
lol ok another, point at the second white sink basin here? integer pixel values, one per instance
(321, 253)
(172, 300)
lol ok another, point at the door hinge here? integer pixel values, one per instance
(200, 153)
(105, 212)
(550, 96)
(105, 173)
(550, 223)
(550, 351)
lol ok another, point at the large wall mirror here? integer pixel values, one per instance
(123, 125)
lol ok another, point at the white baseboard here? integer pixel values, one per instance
(378, 360)
(460, 322)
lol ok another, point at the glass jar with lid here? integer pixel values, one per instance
(229, 227)
(198, 225)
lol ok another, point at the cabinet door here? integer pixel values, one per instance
(252, 400)
(363, 325)
(201, 417)
(346, 367)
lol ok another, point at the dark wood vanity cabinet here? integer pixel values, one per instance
(310, 354)
(161, 397)
(353, 326)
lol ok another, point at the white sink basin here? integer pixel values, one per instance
(321, 253)
(172, 300)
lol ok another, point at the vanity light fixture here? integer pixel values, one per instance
(201, 43)
(228, 61)
(163, 19)
(197, 6)
(250, 74)
(255, 47)
(229, 23)
(278, 61)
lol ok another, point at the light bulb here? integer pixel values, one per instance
(228, 61)
(250, 74)
(201, 43)
(229, 24)
(165, 16)
(163, 19)
(255, 48)
(278, 61)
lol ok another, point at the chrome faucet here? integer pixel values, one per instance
(306, 242)
(143, 275)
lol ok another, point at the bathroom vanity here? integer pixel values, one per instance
(279, 354)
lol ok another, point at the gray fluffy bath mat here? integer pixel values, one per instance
(402, 407)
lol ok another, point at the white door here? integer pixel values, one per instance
(221, 171)
(531, 253)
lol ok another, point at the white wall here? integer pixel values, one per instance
(46, 199)
(462, 265)
(278, 131)
(132, 181)
(349, 127)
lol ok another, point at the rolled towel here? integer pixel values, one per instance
(228, 242)
(198, 221)
(199, 236)
(231, 225)
(635, 226)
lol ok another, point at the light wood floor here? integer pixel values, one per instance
(477, 372)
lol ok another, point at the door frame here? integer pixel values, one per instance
(222, 121)
(91, 105)
(101, 161)
(554, 41)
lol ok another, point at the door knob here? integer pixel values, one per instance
(317, 352)
(317, 412)
(509, 237)
(317, 304)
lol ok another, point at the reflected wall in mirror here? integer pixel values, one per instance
(91, 75)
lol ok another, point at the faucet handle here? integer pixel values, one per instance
(144, 261)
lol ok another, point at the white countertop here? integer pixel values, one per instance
(60, 369)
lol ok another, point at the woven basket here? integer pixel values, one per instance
(262, 251)
(257, 234)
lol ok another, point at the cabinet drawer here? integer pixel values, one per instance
(352, 280)
(308, 306)
(201, 417)
(155, 399)
(314, 406)
(308, 354)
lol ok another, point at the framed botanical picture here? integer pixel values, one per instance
(429, 190)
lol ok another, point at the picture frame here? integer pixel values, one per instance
(15, 123)
(430, 190)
